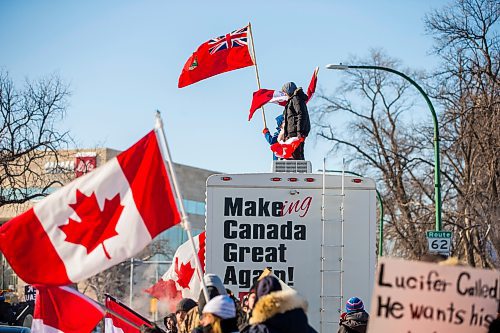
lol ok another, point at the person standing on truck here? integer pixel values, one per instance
(296, 117)
(271, 139)
(355, 319)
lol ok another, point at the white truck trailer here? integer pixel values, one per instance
(315, 230)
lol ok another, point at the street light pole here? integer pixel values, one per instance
(437, 163)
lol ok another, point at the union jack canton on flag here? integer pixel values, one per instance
(234, 39)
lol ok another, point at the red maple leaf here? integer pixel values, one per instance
(96, 226)
(184, 273)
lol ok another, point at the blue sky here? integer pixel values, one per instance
(122, 59)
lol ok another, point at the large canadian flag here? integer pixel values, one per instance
(181, 280)
(94, 222)
(63, 309)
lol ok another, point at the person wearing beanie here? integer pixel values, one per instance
(181, 311)
(272, 139)
(219, 315)
(355, 319)
(277, 310)
(215, 287)
(296, 117)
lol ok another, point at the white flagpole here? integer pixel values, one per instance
(184, 219)
(256, 68)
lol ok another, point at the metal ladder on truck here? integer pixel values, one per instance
(327, 274)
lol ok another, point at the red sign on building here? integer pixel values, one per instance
(84, 163)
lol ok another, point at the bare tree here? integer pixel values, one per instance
(381, 142)
(28, 136)
(397, 151)
(467, 86)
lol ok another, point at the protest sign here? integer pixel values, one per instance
(416, 297)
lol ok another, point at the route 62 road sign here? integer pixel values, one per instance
(439, 241)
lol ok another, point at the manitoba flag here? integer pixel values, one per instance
(181, 280)
(113, 324)
(264, 96)
(94, 222)
(218, 55)
(63, 309)
(285, 149)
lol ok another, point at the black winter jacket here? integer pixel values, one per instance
(280, 312)
(354, 323)
(296, 115)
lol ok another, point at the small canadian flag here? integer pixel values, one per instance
(94, 222)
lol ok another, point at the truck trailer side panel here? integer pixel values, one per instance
(256, 221)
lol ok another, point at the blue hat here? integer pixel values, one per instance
(279, 120)
(354, 304)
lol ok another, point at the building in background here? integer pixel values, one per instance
(74, 163)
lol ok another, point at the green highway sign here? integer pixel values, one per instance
(439, 242)
(439, 234)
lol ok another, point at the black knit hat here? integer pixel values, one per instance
(266, 286)
(185, 304)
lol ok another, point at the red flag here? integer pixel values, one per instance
(312, 85)
(285, 149)
(96, 221)
(218, 55)
(113, 324)
(264, 96)
(63, 309)
(181, 280)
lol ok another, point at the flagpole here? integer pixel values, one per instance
(127, 308)
(105, 309)
(256, 69)
(117, 315)
(184, 219)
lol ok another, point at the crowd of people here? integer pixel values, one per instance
(17, 314)
(267, 308)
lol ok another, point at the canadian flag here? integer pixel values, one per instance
(94, 222)
(63, 309)
(181, 280)
(113, 324)
(285, 149)
(264, 96)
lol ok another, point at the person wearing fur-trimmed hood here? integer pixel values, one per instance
(277, 310)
